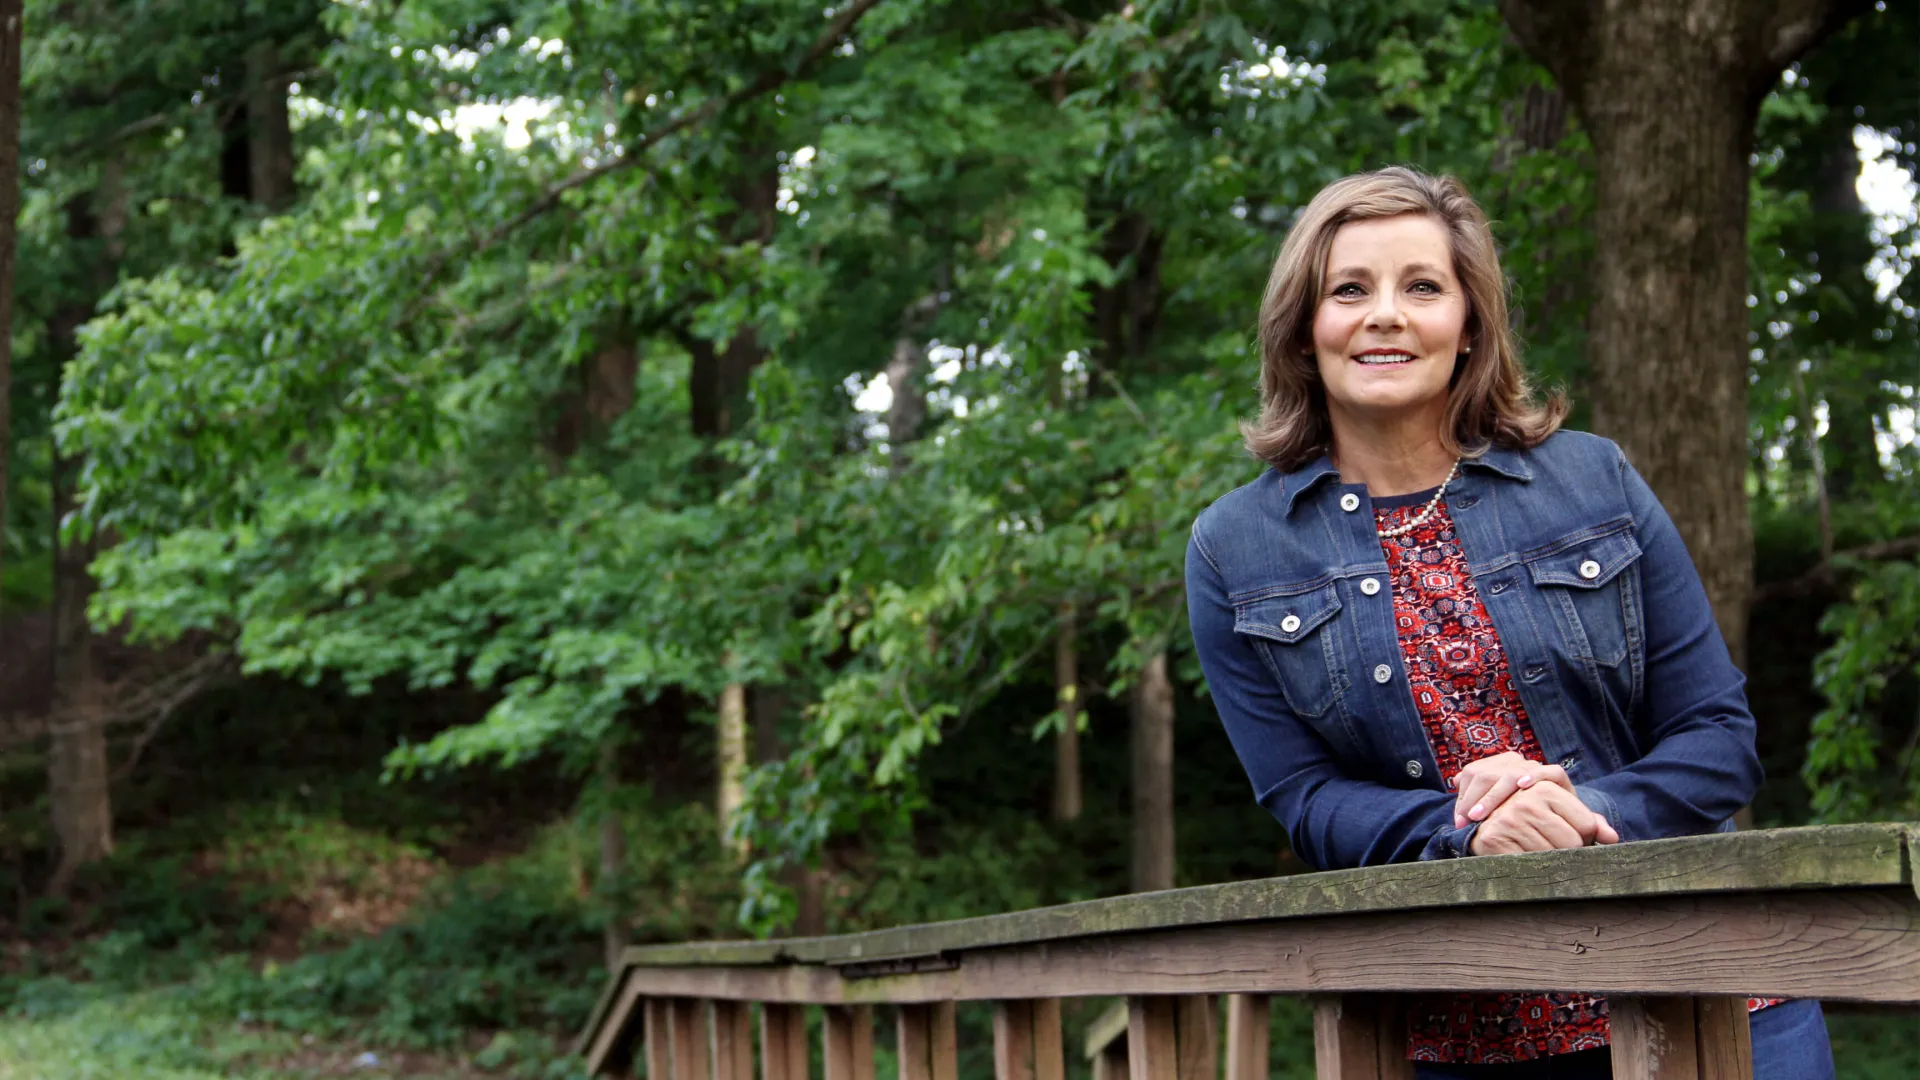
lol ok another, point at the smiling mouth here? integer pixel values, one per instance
(1384, 358)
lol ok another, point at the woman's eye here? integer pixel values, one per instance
(1426, 288)
(1347, 290)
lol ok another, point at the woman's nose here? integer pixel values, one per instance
(1385, 313)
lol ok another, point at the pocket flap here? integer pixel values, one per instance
(1286, 619)
(1588, 565)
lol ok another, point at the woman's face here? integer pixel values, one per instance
(1391, 319)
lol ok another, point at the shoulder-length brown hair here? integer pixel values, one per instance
(1491, 402)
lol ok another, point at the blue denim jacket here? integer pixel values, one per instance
(1612, 645)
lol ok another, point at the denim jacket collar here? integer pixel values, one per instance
(1511, 464)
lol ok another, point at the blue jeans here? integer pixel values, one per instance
(1789, 1043)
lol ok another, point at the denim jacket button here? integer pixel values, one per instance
(1414, 770)
(1382, 673)
(1534, 671)
(1290, 623)
(1369, 585)
(1500, 586)
(1589, 569)
(1349, 502)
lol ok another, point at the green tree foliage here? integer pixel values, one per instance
(331, 438)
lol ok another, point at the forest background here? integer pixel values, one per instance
(489, 481)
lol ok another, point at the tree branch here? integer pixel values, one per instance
(1823, 577)
(1557, 34)
(1794, 26)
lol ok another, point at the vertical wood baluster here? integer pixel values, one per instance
(732, 1041)
(848, 1039)
(1653, 1038)
(1152, 1048)
(1049, 1048)
(783, 1042)
(1725, 1036)
(1360, 1037)
(1196, 1032)
(659, 1035)
(1247, 1036)
(946, 1041)
(929, 1042)
(689, 1046)
(1013, 1040)
(913, 1024)
(1680, 1038)
(1390, 1015)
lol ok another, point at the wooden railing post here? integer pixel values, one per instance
(783, 1042)
(929, 1042)
(1247, 1036)
(1680, 1038)
(847, 1042)
(1026, 1040)
(1360, 1037)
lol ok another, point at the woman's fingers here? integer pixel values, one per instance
(1486, 793)
(1490, 800)
(1479, 776)
(1542, 817)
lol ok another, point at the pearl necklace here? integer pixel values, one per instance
(1426, 512)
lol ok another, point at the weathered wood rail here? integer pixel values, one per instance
(1675, 932)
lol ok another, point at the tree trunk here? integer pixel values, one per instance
(906, 375)
(613, 857)
(1669, 91)
(1126, 314)
(766, 705)
(11, 24)
(78, 774)
(601, 392)
(731, 751)
(907, 412)
(1153, 777)
(1067, 801)
(1843, 245)
(718, 382)
(269, 129)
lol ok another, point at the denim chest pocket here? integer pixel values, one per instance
(1295, 636)
(1593, 591)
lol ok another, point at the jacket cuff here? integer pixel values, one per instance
(1603, 804)
(1452, 843)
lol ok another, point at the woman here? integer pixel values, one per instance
(1440, 627)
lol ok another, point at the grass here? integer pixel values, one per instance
(63, 1031)
(59, 1030)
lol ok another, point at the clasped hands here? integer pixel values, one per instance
(1524, 805)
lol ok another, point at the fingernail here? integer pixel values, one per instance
(1478, 809)
(1526, 781)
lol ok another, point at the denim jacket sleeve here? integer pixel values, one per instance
(1700, 765)
(1334, 820)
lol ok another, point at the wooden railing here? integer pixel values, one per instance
(1675, 932)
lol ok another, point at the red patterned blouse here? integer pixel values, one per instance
(1463, 689)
